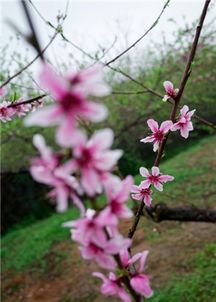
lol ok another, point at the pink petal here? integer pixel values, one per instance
(156, 146)
(168, 86)
(190, 113)
(155, 171)
(165, 178)
(165, 126)
(153, 125)
(94, 112)
(62, 199)
(108, 159)
(67, 135)
(91, 182)
(137, 196)
(184, 131)
(135, 189)
(158, 186)
(125, 297)
(106, 261)
(143, 260)
(44, 117)
(148, 139)
(102, 139)
(184, 109)
(146, 184)
(140, 284)
(144, 172)
(147, 200)
(50, 80)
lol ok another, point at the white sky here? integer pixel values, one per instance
(92, 23)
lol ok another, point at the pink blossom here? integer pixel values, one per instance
(102, 251)
(156, 178)
(139, 282)
(184, 123)
(142, 193)
(47, 169)
(158, 133)
(112, 286)
(94, 160)
(22, 109)
(170, 91)
(71, 103)
(116, 207)
(6, 112)
(87, 229)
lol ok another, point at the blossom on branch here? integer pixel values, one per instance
(142, 193)
(156, 178)
(70, 94)
(158, 133)
(113, 286)
(117, 197)
(170, 91)
(94, 160)
(139, 281)
(47, 169)
(6, 112)
(184, 123)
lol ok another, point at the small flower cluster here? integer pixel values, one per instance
(143, 191)
(10, 110)
(88, 172)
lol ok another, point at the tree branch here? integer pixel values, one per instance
(161, 212)
(176, 102)
(29, 101)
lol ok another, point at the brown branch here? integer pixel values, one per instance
(161, 212)
(140, 38)
(29, 101)
(176, 102)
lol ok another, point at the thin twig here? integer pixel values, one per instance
(29, 101)
(30, 63)
(140, 38)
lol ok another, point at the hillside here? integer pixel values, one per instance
(40, 263)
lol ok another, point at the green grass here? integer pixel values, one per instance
(198, 286)
(22, 247)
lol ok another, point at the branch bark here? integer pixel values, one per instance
(161, 212)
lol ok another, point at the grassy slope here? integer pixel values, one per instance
(195, 182)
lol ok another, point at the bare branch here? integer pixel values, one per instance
(140, 38)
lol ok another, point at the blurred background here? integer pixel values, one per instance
(39, 262)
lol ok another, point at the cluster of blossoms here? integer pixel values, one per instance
(87, 173)
(9, 110)
(143, 192)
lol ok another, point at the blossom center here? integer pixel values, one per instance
(70, 102)
(158, 135)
